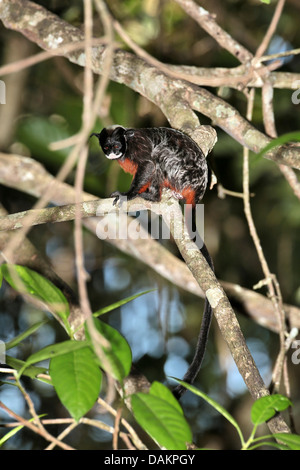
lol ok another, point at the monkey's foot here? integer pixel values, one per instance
(118, 197)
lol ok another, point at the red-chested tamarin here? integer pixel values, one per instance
(157, 158)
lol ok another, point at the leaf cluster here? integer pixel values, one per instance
(75, 371)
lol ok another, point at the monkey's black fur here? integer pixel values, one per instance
(157, 158)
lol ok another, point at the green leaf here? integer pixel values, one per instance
(264, 443)
(117, 357)
(162, 421)
(10, 434)
(31, 371)
(27, 281)
(291, 440)
(77, 380)
(266, 407)
(209, 400)
(115, 305)
(159, 390)
(14, 431)
(215, 405)
(283, 139)
(15, 341)
(53, 350)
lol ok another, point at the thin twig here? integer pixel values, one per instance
(88, 116)
(268, 93)
(80, 171)
(127, 441)
(291, 178)
(19, 65)
(117, 428)
(274, 294)
(271, 29)
(62, 435)
(239, 77)
(207, 21)
(35, 428)
(278, 55)
(68, 164)
(222, 192)
(36, 419)
(134, 437)
(273, 285)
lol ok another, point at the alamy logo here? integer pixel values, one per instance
(296, 354)
(2, 352)
(144, 224)
(296, 93)
(2, 92)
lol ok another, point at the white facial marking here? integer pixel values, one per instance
(113, 156)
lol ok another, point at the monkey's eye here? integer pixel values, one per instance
(117, 147)
(106, 147)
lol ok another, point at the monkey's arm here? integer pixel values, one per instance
(144, 184)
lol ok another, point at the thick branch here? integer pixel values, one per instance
(50, 32)
(28, 175)
(234, 77)
(223, 311)
(176, 98)
(48, 215)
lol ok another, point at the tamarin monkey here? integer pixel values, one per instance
(158, 158)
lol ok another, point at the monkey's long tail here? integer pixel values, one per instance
(196, 363)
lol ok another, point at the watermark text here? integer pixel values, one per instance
(2, 352)
(2, 92)
(145, 224)
(296, 93)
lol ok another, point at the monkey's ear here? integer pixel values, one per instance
(129, 133)
(118, 132)
(103, 136)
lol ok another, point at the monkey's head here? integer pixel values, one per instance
(112, 141)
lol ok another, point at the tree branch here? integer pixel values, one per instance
(176, 98)
(207, 22)
(28, 175)
(222, 309)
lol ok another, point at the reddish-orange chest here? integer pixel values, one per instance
(128, 166)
